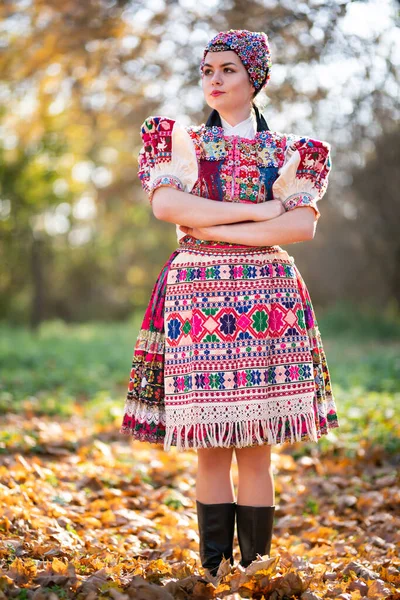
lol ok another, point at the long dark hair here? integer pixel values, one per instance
(214, 120)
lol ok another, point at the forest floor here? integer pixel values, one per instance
(88, 513)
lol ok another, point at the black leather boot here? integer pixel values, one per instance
(254, 530)
(216, 530)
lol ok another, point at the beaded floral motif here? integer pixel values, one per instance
(247, 168)
(315, 162)
(166, 180)
(156, 134)
(304, 175)
(230, 168)
(158, 164)
(215, 150)
(251, 47)
(299, 200)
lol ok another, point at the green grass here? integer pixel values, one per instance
(74, 362)
(61, 366)
(361, 323)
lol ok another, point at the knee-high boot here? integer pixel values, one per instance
(254, 531)
(216, 530)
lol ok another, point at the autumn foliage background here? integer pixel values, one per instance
(84, 512)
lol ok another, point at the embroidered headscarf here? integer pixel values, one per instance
(252, 49)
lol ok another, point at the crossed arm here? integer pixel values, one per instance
(263, 224)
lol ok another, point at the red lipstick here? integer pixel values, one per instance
(216, 93)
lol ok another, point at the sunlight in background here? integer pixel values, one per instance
(342, 75)
(368, 19)
(85, 208)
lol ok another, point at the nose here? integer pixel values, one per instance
(216, 78)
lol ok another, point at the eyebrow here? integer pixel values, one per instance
(223, 65)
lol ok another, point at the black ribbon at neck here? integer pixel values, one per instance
(214, 120)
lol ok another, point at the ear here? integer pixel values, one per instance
(253, 89)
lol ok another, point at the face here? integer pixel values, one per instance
(225, 72)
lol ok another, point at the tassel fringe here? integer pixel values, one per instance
(241, 434)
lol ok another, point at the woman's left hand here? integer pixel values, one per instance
(201, 233)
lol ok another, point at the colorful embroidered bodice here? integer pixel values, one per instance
(236, 169)
(204, 161)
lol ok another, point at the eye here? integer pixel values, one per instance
(207, 71)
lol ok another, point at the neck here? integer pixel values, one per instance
(237, 116)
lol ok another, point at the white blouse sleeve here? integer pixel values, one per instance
(303, 178)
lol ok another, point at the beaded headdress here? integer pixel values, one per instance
(252, 49)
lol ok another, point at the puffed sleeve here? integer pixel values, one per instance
(168, 156)
(303, 178)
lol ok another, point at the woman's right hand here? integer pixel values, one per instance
(264, 211)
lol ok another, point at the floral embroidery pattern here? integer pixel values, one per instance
(251, 46)
(255, 351)
(229, 352)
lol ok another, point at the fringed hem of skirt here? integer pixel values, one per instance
(143, 436)
(273, 430)
(154, 437)
(144, 422)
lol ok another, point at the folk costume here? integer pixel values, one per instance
(229, 352)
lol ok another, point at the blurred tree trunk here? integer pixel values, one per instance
(38, 293)
(396, 277)
(376, 186)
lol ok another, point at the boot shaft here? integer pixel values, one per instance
(254, 531)
(216, 531)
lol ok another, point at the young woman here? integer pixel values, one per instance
(229, 356)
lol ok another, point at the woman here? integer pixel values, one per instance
(230, 355)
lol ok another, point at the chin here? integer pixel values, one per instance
(217, 103)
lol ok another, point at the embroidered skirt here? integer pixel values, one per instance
(235, 357)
